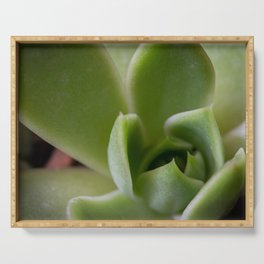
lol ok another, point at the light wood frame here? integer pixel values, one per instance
(249, 219)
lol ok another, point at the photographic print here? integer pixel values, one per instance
(132, 131)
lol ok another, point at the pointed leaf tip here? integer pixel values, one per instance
(199, 128)
(125, 150)
(220, 193)
(166, 189)
(195, 167)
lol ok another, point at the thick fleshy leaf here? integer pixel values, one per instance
(166, 189)
(125, 151)
(229, 101)
(220, 193)
(195, 167)
(121, 55)
(163, 153)
(165, 79)
(234, 140)
(111, 206)
(70, 95)
(199, 128)
(44, 194)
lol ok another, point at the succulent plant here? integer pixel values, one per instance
(155, 126)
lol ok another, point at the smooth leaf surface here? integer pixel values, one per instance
(166, 189)
(121, 55)
(195, 167)
(125, 151)
(70, 96)
(44, 194)
(234, 140)
(220, 193)
(199, 128)
(112, 206)
(165, 79)
(229, 102)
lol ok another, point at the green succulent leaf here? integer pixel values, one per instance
(166, 189)
(156, 154)
(199, 128)
(125, 151)
(229, 63)
(70, 96)
(195, 167)
(220, 193)
(121, 55)
(44, 194)
(165, 79)
(112, 206)
(234, 140)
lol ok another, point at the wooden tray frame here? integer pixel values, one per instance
(248, 222)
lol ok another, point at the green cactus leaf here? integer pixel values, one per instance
(165, 79)
(44, 194)
(112, 206)
(229, 102)
(199, 128)
(125, 151)
(70, 95)
(166, 189)
(220, 193)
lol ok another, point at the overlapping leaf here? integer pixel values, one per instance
(125, 151)
(70, 95)
(220, 193)
(112, 206)
(121, 55)
(229, 101)
(166, 189)
(165, 79)
(199, 128)
(233, 140)
(44, 194)
(195, 167)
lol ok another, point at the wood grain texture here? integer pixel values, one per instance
(14, 133)
(250, 131)
(248, 222)
(131, 39)
(132, 223)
